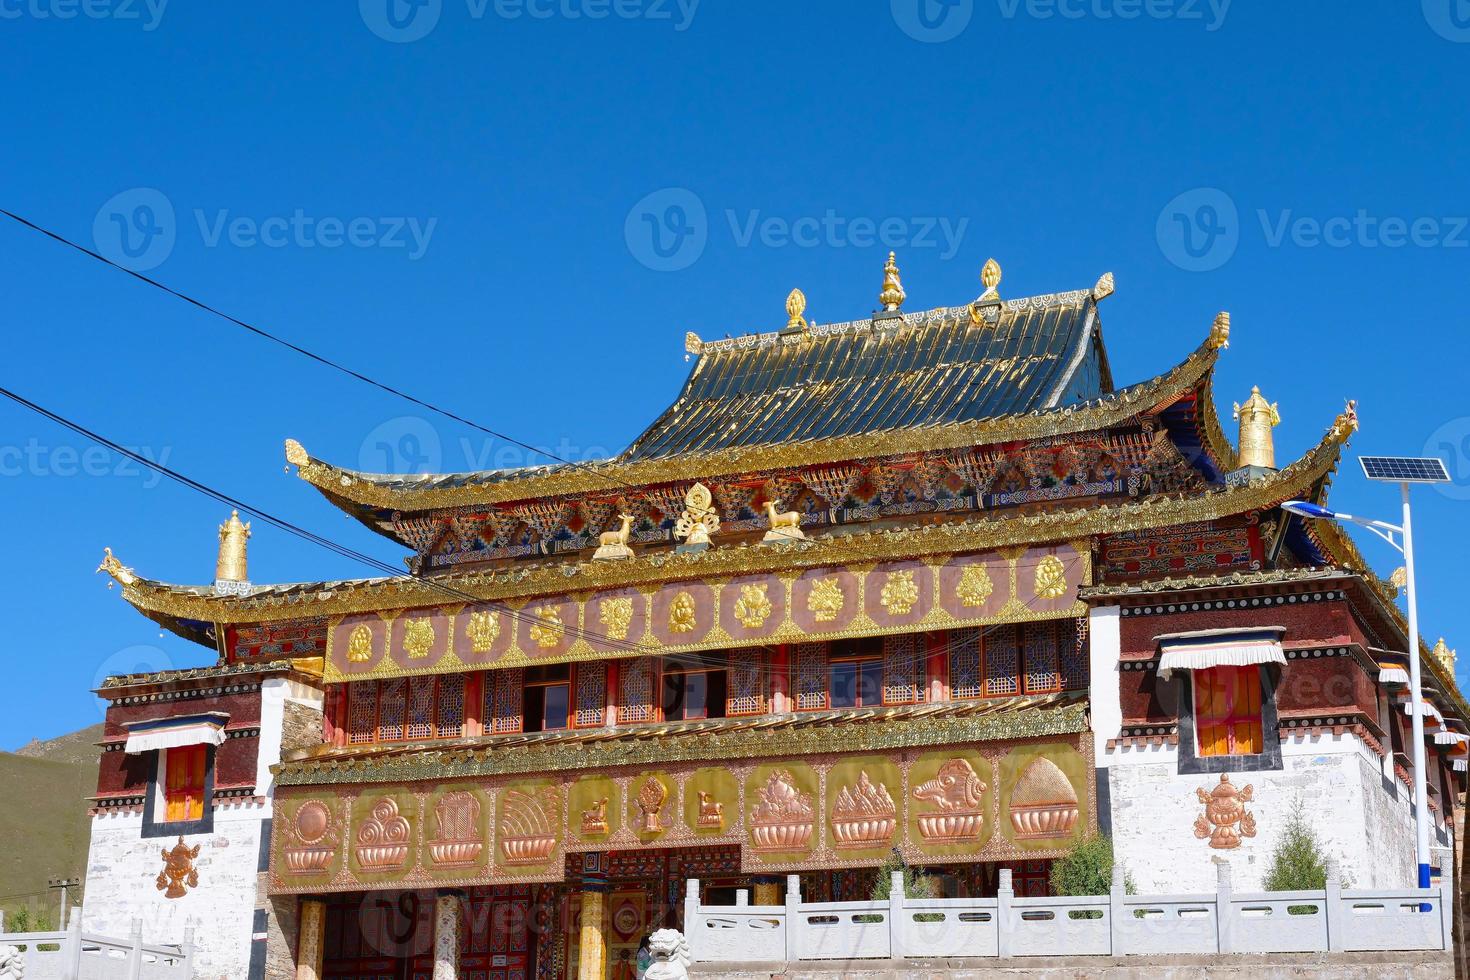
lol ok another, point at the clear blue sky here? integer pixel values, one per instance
(1320, 148)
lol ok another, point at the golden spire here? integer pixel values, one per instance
(795, 307)
(1445, 655)
(1257, 418)
(1220, 332)
(990, 279)
(892, 296)
(232, 537)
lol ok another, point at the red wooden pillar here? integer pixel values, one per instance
(474, 704)
(334, 715)
(937, 667)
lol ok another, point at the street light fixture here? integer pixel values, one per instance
(1403, 471)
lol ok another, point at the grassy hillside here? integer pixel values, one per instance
(44, 827)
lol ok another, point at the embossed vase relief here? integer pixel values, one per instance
(1009, 585)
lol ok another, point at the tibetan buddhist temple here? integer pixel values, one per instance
(920, 587)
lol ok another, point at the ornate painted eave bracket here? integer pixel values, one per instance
(421, 494)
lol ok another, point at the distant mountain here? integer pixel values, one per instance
(45, 829)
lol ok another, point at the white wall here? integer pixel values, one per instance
(1367, 825)
(1105, 697)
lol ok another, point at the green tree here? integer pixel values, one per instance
(916, 884)
(1087, 869)
(1297, 862)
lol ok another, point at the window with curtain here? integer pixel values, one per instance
(183, 793)
(1227, 710)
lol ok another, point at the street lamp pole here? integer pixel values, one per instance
(1416, 708)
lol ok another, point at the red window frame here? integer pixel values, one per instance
(1227, 711)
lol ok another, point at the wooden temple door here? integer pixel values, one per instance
(497, 943)
(379, 936)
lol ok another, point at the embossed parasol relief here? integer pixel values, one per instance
(1043, 802)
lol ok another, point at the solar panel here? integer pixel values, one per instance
(1404, 469)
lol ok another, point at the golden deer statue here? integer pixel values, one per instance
(614, 544)
(784, 527)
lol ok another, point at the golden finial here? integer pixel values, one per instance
(1257, 418)
(115, 568)
(1445, 655)
(990, 279)
(296, 453)
(232, 537)
(795, 307)
(692, 344)
(1399, 578)
(1220, 332)
(1104, 288)
(892, 296)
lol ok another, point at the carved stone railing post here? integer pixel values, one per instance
(1224, 909)
(897, 921)
(186, 949)
(1337, 919)
(693, 928)
(1003, 896)
(72, 959)
(134, 968)
(1118, 924)
(794, 936)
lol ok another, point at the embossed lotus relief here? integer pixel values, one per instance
(315, 842)
(958, 794)
(783, 819)
(1043, 803)
(382, 840)
(456, 842)
(528, 825)
(863, 814)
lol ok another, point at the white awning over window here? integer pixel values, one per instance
(1204, 649)
(1392, 673)
(153, 734)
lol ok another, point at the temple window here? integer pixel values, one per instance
(747, 683)
(1227, 710)
(405, 709)
(591, 702)
(857, 682)
(637, 682)
(503, 701)
(547, 698)
(905, 663)
(693, 688)
(183, 776)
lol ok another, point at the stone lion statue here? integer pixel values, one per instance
(12, 963)
(670, 951)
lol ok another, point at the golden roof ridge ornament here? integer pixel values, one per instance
(123, 575)
(1257, 418)
(231, 570)
(1445, 656)
(699, 520)
(296, 453)
(1344, 425)
(692, 345)
(984, 309)
(1219, 332)
(1104, 288)
(795, 307)
(892, 296)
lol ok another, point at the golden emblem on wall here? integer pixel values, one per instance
(975, 586)
(958, 794)
(456, 841)
(360, 644)
(548, 629)
(782, 820)
(594, 819)
(700, 519)
(681, 614)
(382, 840)
(651, 798)
(616, 615)
(483, 630)
(1051, 578)
(1043, 803)
(711, 812)
(314, 850)
(418, 637)
(900, 593)
(528, 825)
(864, 814)
(825, 600)
(753, 607)
(178, 874)
(1225, 820)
